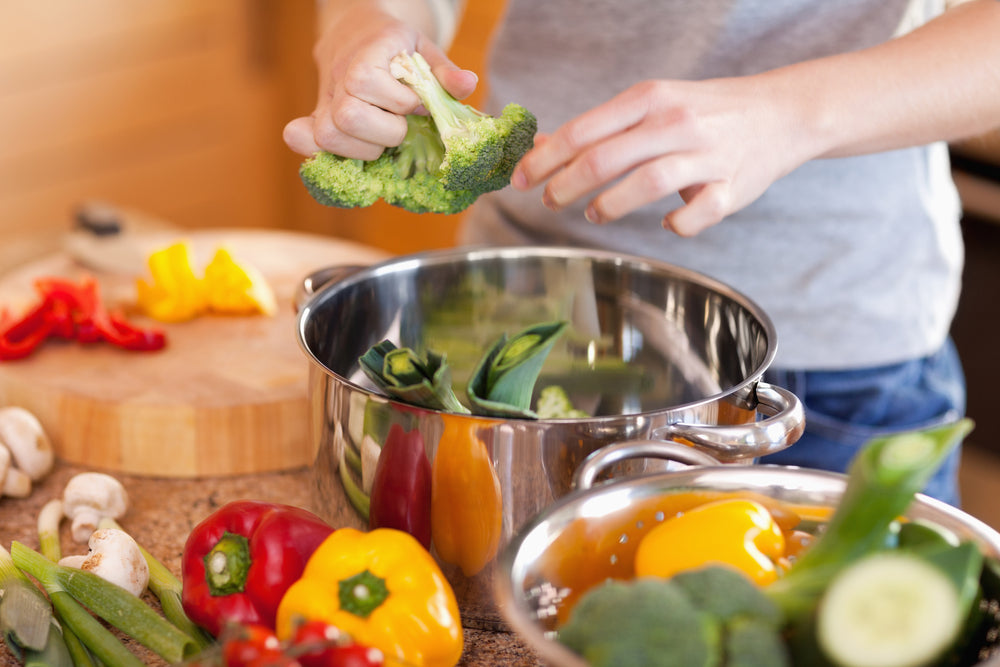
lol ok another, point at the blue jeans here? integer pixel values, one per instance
(844, 409)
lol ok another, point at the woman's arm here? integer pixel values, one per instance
(721, 143)
(360, 105)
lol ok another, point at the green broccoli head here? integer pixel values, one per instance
(446, 161)
(480, 150)
(405, 176)
(641, 623)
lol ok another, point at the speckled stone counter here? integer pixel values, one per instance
(163, 512)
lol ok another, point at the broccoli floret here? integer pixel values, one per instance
(641, 623)
(337, 181)
(405, 176)
(480, 150)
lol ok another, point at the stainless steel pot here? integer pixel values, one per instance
(652, 351)
(591, 534)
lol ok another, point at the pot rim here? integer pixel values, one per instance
(353, 275)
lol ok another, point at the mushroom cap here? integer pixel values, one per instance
(27, 441)
(95, 490)
(13, 482)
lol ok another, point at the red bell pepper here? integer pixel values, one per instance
(401, 486)
(239, 561)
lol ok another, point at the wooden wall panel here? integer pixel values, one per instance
(175, 108)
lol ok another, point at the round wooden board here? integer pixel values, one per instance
(226, 396)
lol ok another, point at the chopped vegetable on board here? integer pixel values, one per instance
(71, 310)
(177, 294)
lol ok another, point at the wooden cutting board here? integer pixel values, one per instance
(227, 396)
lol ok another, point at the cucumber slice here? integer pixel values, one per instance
(891, 609)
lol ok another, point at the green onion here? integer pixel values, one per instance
(167, 588)
(88, 629)
(504, 380)
(54, 654)
(48, 529)
(882, 480)
(25, 614)
(110, 602)
(401, 374)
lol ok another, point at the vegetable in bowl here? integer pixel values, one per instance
(870, 588)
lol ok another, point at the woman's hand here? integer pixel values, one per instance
(360, 105)
(719, 143)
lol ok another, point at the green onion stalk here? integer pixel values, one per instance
(26, 620)
(881, 482)
(167, 588)
(402, 374)
(72, 592)
(50, 546)
(504, 380)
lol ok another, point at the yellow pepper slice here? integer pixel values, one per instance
(383, 589)
(237, 289)
(176, 294)
(735, 532)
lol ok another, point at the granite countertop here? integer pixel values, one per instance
(163, 512)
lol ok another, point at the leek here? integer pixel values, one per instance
(504, 380)
(402, 374)
(881, 482)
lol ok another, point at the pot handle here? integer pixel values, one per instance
(319, 279)
(607, 456)
(743, 442)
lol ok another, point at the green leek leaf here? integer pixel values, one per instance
(402, 374)
(503, 381)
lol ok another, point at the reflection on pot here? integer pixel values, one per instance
(401, 488)
(466, 503)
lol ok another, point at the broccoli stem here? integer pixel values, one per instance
(450, 115)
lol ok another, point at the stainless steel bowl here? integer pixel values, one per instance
(593, 531)
(652, 351)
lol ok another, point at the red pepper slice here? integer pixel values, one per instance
(401, 486)
(72, 311)
(239, 561)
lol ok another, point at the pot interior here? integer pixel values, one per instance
(643, 335)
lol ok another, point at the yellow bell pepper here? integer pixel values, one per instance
(383, 589)
(176, 293)
(735, 532)
(466, 505)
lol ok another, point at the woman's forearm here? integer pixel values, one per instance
(938, 82)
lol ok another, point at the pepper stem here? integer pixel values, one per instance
(362, 594)
(227, 565)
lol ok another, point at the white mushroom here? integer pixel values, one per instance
(114, 556)
(24, 436)
(13, 482)
(90, 496)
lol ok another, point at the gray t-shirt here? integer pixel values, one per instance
(857, 260)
